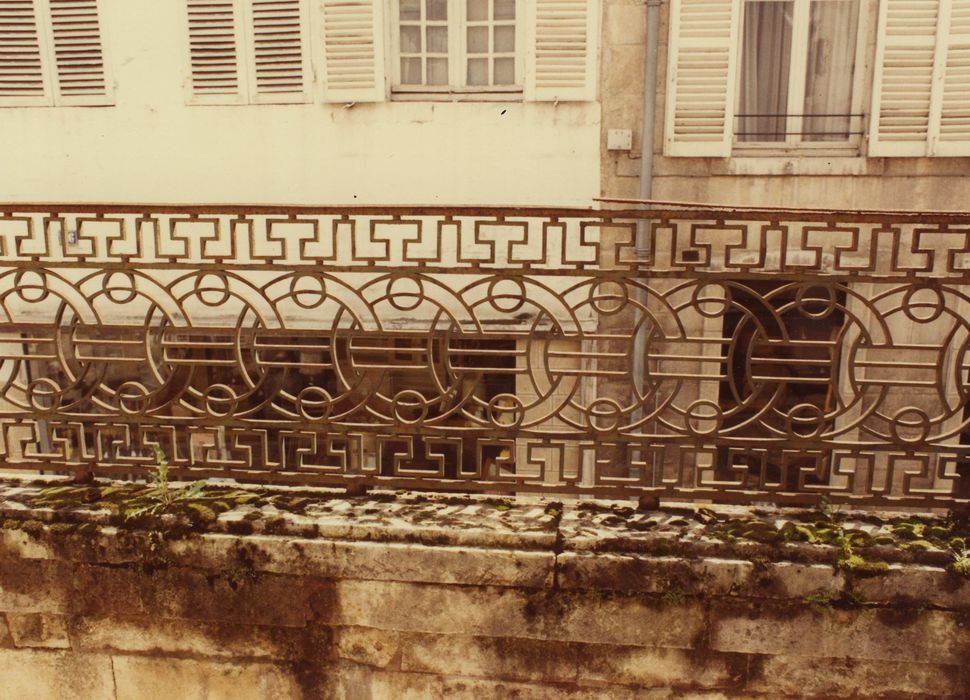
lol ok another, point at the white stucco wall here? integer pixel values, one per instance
(152, 147)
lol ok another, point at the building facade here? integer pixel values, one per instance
(690, 350)
(740, 80)
(300, 101)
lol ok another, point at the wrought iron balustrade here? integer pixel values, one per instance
(782, 355)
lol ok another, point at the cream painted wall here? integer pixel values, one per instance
(152, 147)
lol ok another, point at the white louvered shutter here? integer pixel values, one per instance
(353, 50)
(953, 138)
(215, 52)
(563, 48)
(78, 65)
(702, 66)
(21, 70)
(51, 53)
(279, 69)
(903, 78)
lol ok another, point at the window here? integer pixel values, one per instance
(783, 341)
(247, 51)
(748, 76)
(796, 74)
(449, 45)
(51, 53)
(264, 51)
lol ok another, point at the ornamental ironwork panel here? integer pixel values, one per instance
(732, 355)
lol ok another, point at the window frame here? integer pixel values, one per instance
(793, 145)
(457, 90)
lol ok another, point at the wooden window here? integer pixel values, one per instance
(762, 76)
(247, 51)
(51, 53)
(797, 72)
(490, 43)
(457, 45)
(544, 50)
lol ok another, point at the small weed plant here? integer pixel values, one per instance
(161, 496)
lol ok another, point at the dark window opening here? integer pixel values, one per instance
(788, 334)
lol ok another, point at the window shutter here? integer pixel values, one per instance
(21, 68)
(215, 48)
(78, 54)
(353, 50)
(562, 59)
(279, 65)
(954, 131)
(903, 80)
(702, 61)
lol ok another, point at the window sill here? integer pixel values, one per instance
(422, 94)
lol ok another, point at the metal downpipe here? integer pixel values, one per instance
(651, 56)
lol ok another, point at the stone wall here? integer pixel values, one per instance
(411, 596)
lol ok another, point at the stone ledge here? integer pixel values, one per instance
(484, 541)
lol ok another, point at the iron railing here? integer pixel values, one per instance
(786, 355)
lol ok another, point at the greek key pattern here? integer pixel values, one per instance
(733, 356)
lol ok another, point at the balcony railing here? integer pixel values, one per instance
(732, 355)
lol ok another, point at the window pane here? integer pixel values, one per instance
(438, 39)
(411, 39)
(478, 71)
(504, 9)
(411, 71)
(505, 71)
(504, 39)
(478, 40)
(410, 9)
(477, 10)
(765, 61)
(436, 9)
(830, 69)
(437, 71)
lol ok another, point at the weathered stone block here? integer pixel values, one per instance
(646, 667)
(848, 677)
(367, 646)
(34, 585)
(493, 658)
(382, 561)
(147, 678)
(626, 24)
(795, 581)
(916, 583)
(21, 545)
(55, 675)
(560, 615)
(6, 641)
(232, 592)
(38, 630)
(384, 685)
(651, 574)
(911, 635)
(189, 637)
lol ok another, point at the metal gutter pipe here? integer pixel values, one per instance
(650, 59)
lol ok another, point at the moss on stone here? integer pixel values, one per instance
(961, 565)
